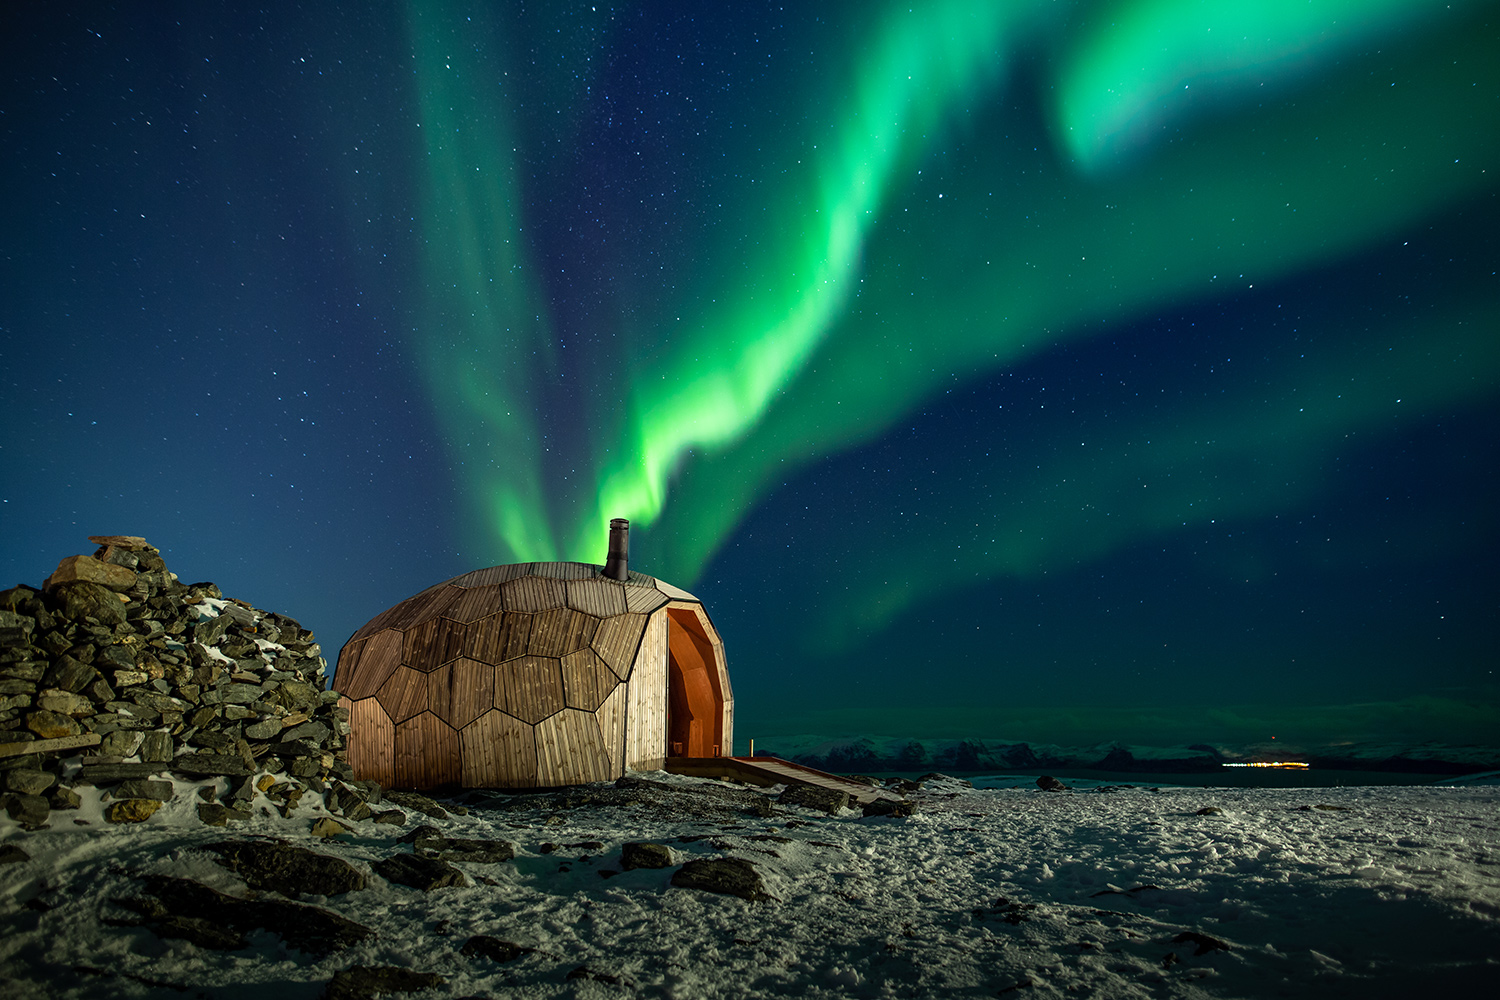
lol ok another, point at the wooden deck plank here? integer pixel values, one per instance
(774, 771)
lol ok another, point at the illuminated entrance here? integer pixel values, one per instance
(700, 706)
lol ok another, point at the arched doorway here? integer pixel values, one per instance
(697, 687)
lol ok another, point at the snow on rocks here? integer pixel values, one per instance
(115, 673)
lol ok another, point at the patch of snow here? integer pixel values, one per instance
(1100, 891)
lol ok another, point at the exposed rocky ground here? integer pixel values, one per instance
(113, 673)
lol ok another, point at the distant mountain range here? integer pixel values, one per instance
(885, 753)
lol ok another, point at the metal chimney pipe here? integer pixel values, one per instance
(616, 567)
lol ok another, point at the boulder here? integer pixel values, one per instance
(131, 810)
(829, 800)
(638, 854)
(307, 928)
(143, 788)
(28, 780)
(84, 599)
(50, 725)
(418, 872)
(429, 842)
(87, 569)
(493, 948)
(361, 982)
(1047, 783)
(726, 876)
(326, 828)
(30, 811)
(286, 868)
(68, 673)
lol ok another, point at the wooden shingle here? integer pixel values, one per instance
(461, 691)
(404, 694)
(498, 751)
(586, 680)
(529, 687)
(498, 638)
(379, 656)
(561, 631)
(432, 643)
(570, 748)
(476, 603)
(534, 593)
(373, 755)
(427, 753)
(598, 597)
(616, 641)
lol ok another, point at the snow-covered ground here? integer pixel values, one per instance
(1099, 891)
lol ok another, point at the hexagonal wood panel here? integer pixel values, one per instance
(534, 674)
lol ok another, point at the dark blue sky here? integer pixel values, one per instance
(1035, 413)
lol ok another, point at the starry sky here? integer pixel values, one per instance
(1056, 371)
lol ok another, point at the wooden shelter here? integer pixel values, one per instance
(534, 675)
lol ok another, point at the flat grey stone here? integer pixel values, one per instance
(419, 872)
(28, 781)
(360, 982)
(210, 764)
(827, 800)
(287, 868)
(726, 876)
(646, 855)
(142, 788)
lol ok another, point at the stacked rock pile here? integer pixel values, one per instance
(114, 673)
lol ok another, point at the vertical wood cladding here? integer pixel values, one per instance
(536, 674)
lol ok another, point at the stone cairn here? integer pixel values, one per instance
(114, 674)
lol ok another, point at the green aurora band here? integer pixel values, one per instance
(923, 231)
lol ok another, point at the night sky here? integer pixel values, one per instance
(1062, 372)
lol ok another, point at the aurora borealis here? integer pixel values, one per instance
(1041, 370)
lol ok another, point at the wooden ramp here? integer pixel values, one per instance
(766, 771)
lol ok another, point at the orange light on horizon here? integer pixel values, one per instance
(1271, 763)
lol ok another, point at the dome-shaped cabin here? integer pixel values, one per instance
(534, 675)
